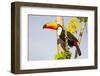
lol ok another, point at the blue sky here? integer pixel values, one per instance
(42, 43)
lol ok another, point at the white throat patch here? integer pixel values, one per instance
(59, 30)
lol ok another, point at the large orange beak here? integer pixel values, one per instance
(51, 25)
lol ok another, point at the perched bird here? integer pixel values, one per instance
(61, 35)
(72, 40)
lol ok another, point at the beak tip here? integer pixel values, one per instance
(44, 26)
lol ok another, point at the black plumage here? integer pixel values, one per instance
(72, 41)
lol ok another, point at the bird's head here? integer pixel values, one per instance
(52, 25)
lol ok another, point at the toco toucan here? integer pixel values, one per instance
(72, 40)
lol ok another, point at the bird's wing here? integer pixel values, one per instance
(71, 36)
(74, 39)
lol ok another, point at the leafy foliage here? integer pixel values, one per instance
(73, 25)
(83, 19)
(65, 55)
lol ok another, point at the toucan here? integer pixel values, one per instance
(72, 40)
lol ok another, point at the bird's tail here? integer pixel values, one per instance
(78, 50)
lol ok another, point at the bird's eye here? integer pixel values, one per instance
(58, 25)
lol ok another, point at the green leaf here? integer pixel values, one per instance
(85, 19)
(65, 55)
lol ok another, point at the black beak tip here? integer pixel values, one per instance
(44, 26)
